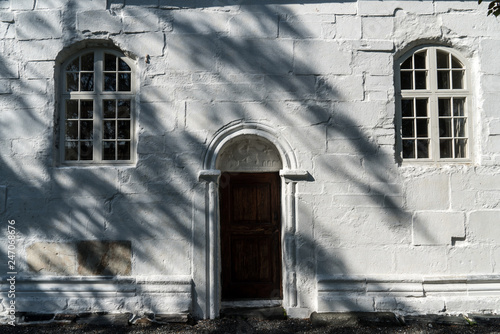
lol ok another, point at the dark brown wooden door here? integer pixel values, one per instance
(250, 236)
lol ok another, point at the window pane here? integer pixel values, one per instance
(71, 82)
(109, 62)
(71, 109)
(458, 79)
(110, 82)
(408, 149)
(460, 124)
(421, 107)
(109, 131)
(71, 130)
(442, 59)
(461, 148)
(407, 108)
(71, 150)
(108, 151)
(406, 80)
(123, 130)
(422, 128)
(124, 82)
(444, 107)
(123, 150)
(422, 149)
(86, 150)
(86, 109)
(420, 60)
(420, 79)
(408, 128)
(86, 129)
(443, 79)
(122, 65)
(123, 108)
(88, 62)
(109, 108)
(74, 65)
(445, 148)
(87, 82)
(445, 127)
(455, 63)
(458, 106)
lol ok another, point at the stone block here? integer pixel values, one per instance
(190, 53)
(484, 226)
(428, 192)
(39, 70)
(340, 88)
(104, 258)
(377, 28)
(97, 21)
(388, 8)
(38, 25)
(437, 228)
(40, 50)
(470, 260)
(5, 87)
(374, 64)
(9, 69)
(348, 27)
(285, 87)
(321, 57)
(254, 26)
(488, 51)
(421, 260)
(304, 26)
(355, 260)
(333, 303)
(137, 22)
(22, 4)
(52, 258)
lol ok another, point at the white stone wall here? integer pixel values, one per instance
(370, 234)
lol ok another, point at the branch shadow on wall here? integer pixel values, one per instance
(151, 205)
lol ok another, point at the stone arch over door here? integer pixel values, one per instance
(227, 150)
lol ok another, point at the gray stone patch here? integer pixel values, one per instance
(104, 257)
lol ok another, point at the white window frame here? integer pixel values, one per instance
(433, 94)
(98, 95)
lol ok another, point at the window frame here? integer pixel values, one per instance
(98, 95)
(433, 94)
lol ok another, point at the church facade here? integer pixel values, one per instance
(170, 158)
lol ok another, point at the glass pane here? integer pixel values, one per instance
(71, 109)
(406, 80)
(458, 79)
(71, 150)
(460, 124)
(422, 148)
(445, 148)
(74, 65)
(444, 107)
(407, 64)
(458, 107)
(408, 128)
(422, 128)
(87, 82)
(122, 66)
(124, 82)
(109, 62)
(420, 79)
(71, 82)
(109, 131)
(88, 62)
(86, 109)
(123, 108)
(110, 82)
(461, 148)
(421, 107)
(86, 129)
(442, 59)
(108, 151)
(407, 108)
(455, 63)
(123, 129)
(71, 129)
(86, 150)
(109, 108)
(445, 127)
(443, 79)
(420, 59)
(408, 149)
(123, 150)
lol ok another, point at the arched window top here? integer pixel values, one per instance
(433, 122)
(98, 108)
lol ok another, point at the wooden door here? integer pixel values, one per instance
(250, 236)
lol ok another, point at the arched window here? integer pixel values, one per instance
(97, 108)
(433, 106)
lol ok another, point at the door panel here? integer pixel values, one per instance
(250, 236)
